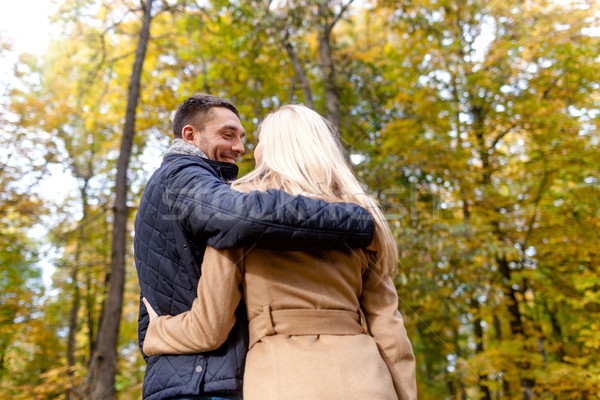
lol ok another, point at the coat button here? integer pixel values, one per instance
(199, 368)
(185, 246)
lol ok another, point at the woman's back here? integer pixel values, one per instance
(306, 337)
(302, 280)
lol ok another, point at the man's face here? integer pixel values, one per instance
(221, 138)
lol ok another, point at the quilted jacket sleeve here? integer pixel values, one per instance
(271, 220)
(379, 303)
(206, 326)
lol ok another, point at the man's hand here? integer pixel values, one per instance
(151, 313)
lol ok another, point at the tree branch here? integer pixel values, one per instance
(500, 136)
(337, 17)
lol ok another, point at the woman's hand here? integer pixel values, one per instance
(151, 313)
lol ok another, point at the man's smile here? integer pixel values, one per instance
(228, 159)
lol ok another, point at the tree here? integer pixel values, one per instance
(491, 108)
(108, 332)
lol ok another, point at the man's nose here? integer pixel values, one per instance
(238, 146)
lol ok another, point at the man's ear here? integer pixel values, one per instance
(188, 133)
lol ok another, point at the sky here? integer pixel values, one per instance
(26, 24)
(26, 21)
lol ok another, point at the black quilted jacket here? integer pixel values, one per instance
(186, 206)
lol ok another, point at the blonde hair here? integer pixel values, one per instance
(302, 155)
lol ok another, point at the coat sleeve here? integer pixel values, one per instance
(206, 326)
(379, 302)
(273, 220)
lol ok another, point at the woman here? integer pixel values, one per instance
(308, 312)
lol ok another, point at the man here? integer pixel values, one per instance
(185, 206)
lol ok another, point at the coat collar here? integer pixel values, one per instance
(227, 172)
(180, 146)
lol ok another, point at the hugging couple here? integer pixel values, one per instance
(272, 286)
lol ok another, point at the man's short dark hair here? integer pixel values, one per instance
(196, 111)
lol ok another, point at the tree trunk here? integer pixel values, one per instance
(74, 313)
(108, 333)
(300, 75)
(556, 330)
(463, 391)
(478, 115)
(450, 389)
(540, 343)
(516, 323)
(483, 387)
(332, 98)
(505, 385)
(92, 295)
(73, 322)
(2, 352)
(89, 304)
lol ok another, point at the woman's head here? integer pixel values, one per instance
(298, 143)
(299, 152)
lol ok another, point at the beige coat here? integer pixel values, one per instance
(306, 340)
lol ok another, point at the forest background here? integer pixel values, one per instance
(473, 122)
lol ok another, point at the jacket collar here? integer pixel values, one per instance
(227, 172)
(180, 146)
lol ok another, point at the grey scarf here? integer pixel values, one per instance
(179, 146)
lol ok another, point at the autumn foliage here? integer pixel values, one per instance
(474, 123)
